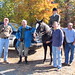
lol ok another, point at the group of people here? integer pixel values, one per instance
(24, 36)
(58, 37)
(57, 43)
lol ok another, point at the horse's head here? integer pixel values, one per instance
(42, 28)
(38, 24)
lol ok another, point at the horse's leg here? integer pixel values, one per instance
(50, 54)
(64, 46)
(45, 51)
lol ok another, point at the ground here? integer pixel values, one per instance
(35, 66)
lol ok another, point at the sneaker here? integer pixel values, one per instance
(68, 64)
(54, 67)
(59, 69)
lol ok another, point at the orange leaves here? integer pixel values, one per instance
(30, 9)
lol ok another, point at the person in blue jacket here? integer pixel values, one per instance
(24, 36)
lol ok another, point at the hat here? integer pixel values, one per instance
(54, 9)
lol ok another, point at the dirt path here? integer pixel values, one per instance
(35, 66)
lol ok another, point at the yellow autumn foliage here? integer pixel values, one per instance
(32, 9)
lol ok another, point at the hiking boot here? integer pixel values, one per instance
(26, 62)
(20, 60)
(5, 62)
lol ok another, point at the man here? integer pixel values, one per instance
(24, 36)
(70, 42)
(57, 41)
(54, 17)
(5, 32)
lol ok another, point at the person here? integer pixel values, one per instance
(24, 36)
(70, 42)
(57, 41)
(5, 32)
(54, 17)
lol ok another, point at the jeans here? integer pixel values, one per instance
(69, 47)
(57, 59)
(4, 44)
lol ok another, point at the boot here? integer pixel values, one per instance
(26, 62)
(20, 60)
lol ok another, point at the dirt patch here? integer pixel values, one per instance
(35, 66)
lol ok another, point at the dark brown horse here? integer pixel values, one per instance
(46, 33)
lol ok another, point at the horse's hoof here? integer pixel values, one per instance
(43, 61)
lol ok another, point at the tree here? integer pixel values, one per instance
(67, 11)
(7, 10)
(32, 9)
(17, 10)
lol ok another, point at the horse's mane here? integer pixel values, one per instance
(43, 23)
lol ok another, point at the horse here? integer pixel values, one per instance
(46, 33)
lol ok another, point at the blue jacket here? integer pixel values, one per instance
(28, 35)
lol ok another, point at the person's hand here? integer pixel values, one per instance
(59, 48)
(47, 42)
(2, 29)
(74, 43)
(19, 40)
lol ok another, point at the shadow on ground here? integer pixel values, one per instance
(12, 53)
(25, 69)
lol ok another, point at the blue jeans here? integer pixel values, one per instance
(69, 47)
(4, 44)
(57, 59)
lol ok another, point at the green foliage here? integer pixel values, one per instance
(67, 11)
(7, 10)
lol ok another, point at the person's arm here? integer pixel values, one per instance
(32, 30)
(1, 28)
(18, 34)
(49, 41)
(63, 29)
(61, 38)
(74, 38)
(58, 20)
(10, 30)
(50, 21)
